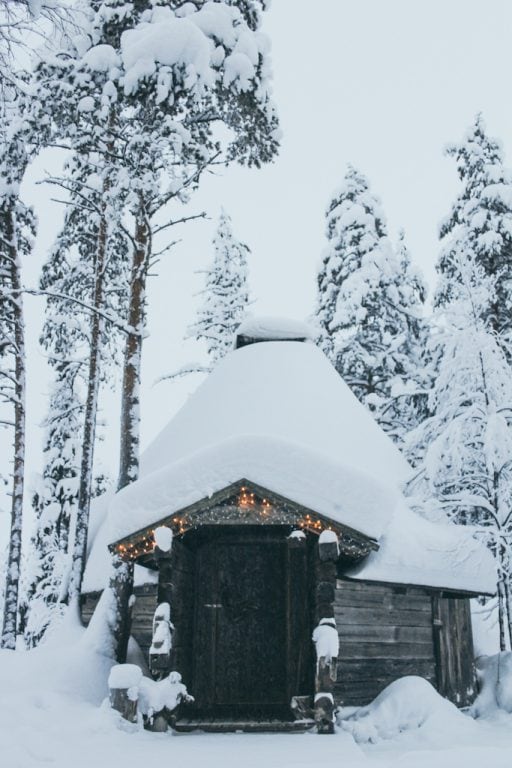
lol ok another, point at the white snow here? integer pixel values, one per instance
(51, 714)
(326, 640)
(284, 390)
(408, 703)
(157, 695)
(281, 328)
(124, 676)
(416, 551)
(163, 538)
(304, 437)
(328, 537)
(341, 493)
(495, 681)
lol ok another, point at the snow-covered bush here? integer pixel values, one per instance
(406, 704)
(495, 680)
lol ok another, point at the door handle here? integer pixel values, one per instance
(212, 605)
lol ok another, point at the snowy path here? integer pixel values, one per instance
(81, 736)
(50, 715)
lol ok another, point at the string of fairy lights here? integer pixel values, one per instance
(246, 508)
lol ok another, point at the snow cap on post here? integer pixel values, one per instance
(328, 546)
(163, 538)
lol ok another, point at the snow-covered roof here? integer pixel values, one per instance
(278, 415)
(285, 391)
(415, 551)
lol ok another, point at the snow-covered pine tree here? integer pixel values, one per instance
(480, 224)
(225, 295)
(17, 226)
(370, 309)
(465, 446)
(158, 129)
(69, 281)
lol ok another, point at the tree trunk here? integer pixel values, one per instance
(122, 581)
(91, 407)
(130, 405)
(9, 629)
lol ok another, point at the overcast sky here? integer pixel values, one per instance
(382, 84)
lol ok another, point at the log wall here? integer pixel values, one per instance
(142, 617)
(385, 633)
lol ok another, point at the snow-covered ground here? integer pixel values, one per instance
(51, 714)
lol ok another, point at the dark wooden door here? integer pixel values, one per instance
(240, 636)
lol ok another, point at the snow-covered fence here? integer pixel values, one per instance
(325, 635)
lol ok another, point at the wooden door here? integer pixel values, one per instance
(240, 634)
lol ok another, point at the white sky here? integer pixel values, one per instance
(383, 84)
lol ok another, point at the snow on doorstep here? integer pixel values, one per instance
(274, 328)
(282, 390)
(415, 551)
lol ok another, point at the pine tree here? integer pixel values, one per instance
(480, 225)
(226, 293)
(153, 134)
(465, 472)
(17, 226)
(370, 306)
(69, 281)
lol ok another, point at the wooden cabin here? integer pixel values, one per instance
(283, 496)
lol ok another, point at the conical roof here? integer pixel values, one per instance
(283, 390)
(276, 413)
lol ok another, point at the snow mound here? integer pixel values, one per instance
(405, 705)
(495, 679)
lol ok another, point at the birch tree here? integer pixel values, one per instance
(17, 226)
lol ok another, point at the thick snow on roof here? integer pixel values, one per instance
(342, 494)
(278, 414)
(274, 328)
(416, 551)
(283, 390)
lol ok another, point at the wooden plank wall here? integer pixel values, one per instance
(385, 633)
(142, 618)
(453, 642)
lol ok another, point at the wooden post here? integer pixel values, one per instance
(123, 683)
(326, 664)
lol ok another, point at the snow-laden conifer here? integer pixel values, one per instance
(370, 308)
(480, 224)
(78, 329)
(465, 446)
(146, 88)
(226, 294)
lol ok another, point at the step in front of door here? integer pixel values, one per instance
(247, 726)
